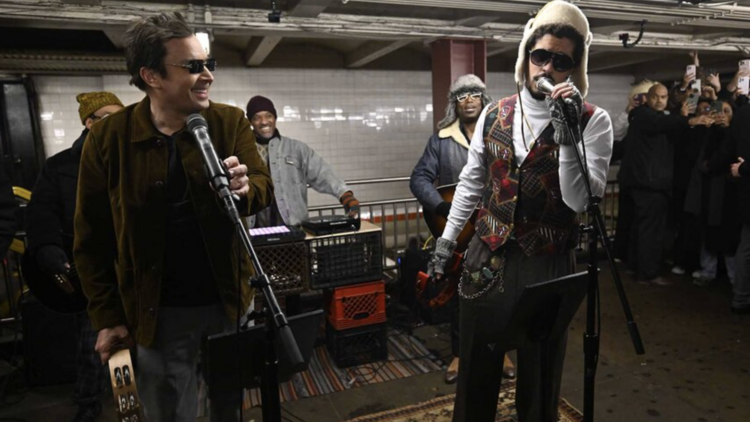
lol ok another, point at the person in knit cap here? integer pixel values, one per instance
(293, 166)
(441, 163)
(523, 173)
(49, 233)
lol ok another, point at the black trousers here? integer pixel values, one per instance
(648, 232)
(483, 321)
(625, 211)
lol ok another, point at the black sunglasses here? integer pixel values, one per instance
(560, 62)
(197, 66)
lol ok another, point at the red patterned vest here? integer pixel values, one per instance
(525, 202)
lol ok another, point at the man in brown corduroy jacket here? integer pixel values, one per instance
(157, 258)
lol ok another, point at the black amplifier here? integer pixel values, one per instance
(329, 224)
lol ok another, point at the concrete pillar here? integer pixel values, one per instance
(452, 58)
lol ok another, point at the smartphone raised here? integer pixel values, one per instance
(690, 70)
(743, 84)
(745, 65)
(694, 93)
(716, 107)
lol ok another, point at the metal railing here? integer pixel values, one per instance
(401, 219)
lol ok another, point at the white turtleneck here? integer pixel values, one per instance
(597, 138)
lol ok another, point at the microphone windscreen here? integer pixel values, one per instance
(195, 121)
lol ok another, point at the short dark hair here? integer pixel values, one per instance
(144, 43)
(559, 30)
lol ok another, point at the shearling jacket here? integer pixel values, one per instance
(441, 163)
(121, 213)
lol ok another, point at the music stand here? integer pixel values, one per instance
(259, 366)
(545, 309)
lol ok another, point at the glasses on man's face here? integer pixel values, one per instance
(94, 117)
(560, 62)
(197, 66)
(472, 95)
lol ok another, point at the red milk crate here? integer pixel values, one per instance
(357, 305)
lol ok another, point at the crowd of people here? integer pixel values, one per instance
(681, 187)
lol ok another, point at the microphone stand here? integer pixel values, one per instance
(276, 325)
(596, 229)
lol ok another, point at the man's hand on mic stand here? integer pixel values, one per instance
(238, 182)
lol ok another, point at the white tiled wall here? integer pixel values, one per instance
(365, 124)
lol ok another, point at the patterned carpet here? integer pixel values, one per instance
(407, 357)
(441, 409)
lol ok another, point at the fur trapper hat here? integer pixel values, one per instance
(558, 12)
(462, 85)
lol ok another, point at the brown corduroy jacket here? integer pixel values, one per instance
(121, 212)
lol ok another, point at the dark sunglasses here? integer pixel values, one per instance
(560, 62)
(197, 66)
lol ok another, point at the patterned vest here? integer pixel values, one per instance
(525, 202)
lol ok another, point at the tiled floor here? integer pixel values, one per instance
(697, 366)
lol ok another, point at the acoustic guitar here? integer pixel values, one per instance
(127, 403)
(436, 223)
(61, 292)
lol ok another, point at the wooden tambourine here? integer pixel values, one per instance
(127, 404)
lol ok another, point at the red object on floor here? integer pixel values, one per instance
(357, 305)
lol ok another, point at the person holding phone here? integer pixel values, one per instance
(649, 160)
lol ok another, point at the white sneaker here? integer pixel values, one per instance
(697, 274)
(678, 270)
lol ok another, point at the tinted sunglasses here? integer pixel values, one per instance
(560, 62)
(197, 66)
(464, 97)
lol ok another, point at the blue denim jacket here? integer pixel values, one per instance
(293, 166)
(441, 164)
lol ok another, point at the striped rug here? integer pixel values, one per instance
(407, 356)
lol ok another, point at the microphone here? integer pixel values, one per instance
(215, 171)
(545, 86)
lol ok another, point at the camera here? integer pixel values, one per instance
(274, 16)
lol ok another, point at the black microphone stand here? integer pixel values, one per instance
(595, 229)
(276, 325)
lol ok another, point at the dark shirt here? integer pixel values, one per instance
(188, 279)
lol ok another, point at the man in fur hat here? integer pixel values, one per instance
(49, 232)
(441, 163)
(522, 167)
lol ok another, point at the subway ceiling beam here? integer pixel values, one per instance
(309, 8)
(259, 48)
(254, 22)
(372, 51)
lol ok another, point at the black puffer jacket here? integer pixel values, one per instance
(49, 215)
(649, 159)
(738, 146)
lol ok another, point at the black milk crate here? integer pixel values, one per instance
(287, 267)
(357, 346)
(339, 260)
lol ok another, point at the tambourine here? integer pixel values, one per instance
(127, 404)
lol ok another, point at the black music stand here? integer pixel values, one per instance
(259, 366)
(545, 309)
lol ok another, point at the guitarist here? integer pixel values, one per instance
(441, 163)
(49, 231)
